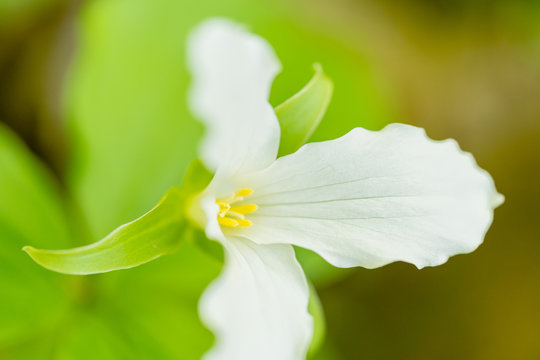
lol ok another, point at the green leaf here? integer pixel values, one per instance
(30, 213)
(318, 270)
(30, 201)
(131, 134)
(300, 115)
(156, 233)
(157, 304)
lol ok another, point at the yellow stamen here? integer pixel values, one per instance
(233, 216)
(225, 221)
(244, 192)
(244, 209)
(223, 207)
(244, 223)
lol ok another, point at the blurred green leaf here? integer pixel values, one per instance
(317, 269)
(29, 198)
(148, 312)
(131, 134)
(88, 336)
(157, 303)
(30, 213)
(300, 115)
(156, 233)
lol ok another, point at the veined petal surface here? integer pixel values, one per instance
(233, 71)
(371, 198)
(257, 307)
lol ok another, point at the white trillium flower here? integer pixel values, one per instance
(365, 199)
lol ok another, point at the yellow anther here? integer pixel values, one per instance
(244, 222)
(244, 192)
(233, 216)
(225, 221)
(244, 209)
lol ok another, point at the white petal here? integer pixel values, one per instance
(257, 308)
(371, 198)
(233, 72)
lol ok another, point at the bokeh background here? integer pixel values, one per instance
(94, 129)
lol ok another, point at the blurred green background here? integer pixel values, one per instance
(94, 128)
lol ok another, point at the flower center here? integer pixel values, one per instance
(234, 215)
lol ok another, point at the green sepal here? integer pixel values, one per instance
(300, 115)
(210, 247)
(197, 178)
(156, 233)
(315, 308)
